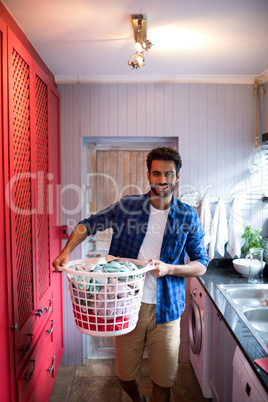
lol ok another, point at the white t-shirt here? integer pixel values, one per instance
(151, 248)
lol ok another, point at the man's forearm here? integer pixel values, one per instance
(78, 235)
(192, 268)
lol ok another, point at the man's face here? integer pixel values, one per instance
(163, 178)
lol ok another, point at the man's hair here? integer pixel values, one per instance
(164, 154)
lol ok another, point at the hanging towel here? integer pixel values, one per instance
(205, 217)
(219, 231)
(235, 230)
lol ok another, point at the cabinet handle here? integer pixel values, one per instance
(14, 327)
(39, 312)
(219, 316)
(27, 348)
(30, 376)
(49, 331)
(49, 308)
(53, 363)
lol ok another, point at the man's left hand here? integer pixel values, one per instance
(161, 268)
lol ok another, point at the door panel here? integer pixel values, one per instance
(31, 274)
(113, 171)
(117, 172)
(21, 194)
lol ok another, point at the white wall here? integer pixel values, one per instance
(215, 126)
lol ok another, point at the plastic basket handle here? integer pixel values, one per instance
(140, 271)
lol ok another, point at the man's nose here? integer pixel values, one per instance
(162, 178)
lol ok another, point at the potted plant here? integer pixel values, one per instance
(252, 238)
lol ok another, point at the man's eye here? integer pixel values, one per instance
(169, 174)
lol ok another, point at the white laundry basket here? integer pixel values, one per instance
(105, 304)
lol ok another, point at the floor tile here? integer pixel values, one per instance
(97, 368)
(97, 381)
(63, 385)
(98, 389)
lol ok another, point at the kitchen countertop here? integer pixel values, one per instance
(221, 271)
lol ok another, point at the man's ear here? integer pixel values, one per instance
(178, 176)
(148, 175)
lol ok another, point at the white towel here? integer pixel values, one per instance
(219, 231)
(235, 230)
(206, 219)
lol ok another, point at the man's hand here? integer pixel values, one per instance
(161, 268)
(60, 261)
(78, 235)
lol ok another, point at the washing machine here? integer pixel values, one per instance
(199, 323)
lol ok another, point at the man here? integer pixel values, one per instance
(159, 228)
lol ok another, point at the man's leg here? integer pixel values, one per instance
(160, 394)
(163, 351)
(131, 388)
(128, 356)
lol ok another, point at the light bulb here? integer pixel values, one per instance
(140, 60)
(139, 46)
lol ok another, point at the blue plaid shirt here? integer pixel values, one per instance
(183, 234)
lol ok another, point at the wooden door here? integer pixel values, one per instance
(116, 173)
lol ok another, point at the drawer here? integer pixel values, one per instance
(46, 379)
(28, 376)
(26, 340)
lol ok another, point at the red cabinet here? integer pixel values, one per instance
(32, 327)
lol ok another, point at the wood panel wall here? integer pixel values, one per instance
(214, 123)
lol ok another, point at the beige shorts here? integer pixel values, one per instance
(163, 341)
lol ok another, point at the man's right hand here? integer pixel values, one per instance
(78, 235)
(60, 261)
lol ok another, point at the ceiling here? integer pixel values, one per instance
(194, 40)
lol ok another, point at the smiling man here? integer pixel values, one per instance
(159, 228)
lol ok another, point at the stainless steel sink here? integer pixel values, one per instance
(250, 301)
(245, 295)
(258, 318)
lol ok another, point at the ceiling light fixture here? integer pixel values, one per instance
(142, 44)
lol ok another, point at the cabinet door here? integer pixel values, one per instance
(21, 196)
(29, 209)
(55, 220)
(222, 352)
(217, 357)
(41, 213)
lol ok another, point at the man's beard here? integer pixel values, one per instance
(163, 194)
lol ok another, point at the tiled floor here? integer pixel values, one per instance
(96, 381)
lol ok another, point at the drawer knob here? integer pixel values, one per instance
(39, 312)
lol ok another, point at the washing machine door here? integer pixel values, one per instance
(195, 327)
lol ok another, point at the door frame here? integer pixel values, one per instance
(107, 144)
